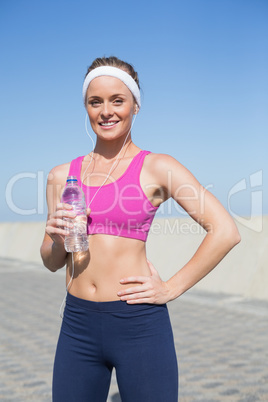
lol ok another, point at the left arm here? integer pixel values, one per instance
(222, 235)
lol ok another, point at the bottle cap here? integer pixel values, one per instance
(71, 178)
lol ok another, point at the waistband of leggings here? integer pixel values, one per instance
(109, 306)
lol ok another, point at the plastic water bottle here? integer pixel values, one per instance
(77, 239)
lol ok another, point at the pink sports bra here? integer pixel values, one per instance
(120, 208)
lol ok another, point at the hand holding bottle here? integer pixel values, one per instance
(56, 224)
(76, 227)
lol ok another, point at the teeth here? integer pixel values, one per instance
(110, 123)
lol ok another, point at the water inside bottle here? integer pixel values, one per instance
(77, 240)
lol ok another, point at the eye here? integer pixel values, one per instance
(118, 101)
(94, 102)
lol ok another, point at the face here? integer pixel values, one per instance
(110, 106)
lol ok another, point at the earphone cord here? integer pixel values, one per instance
(67, 287)
(112, 164)
(70, 281)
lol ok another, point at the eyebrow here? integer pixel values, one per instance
(116, 95)
(112, 96)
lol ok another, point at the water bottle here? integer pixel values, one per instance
(76, 240)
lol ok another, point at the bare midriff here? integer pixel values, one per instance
(98, 271)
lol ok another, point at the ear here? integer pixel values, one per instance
(136, 109)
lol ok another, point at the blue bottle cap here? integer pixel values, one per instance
(71, 178)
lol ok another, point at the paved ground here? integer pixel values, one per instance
(221, 341)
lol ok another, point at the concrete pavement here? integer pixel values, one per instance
(221, 340)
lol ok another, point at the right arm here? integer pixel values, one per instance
(52, 249)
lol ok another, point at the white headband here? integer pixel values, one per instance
(113, 72)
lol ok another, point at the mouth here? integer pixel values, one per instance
(109, 124)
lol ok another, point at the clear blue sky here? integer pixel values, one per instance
(203, 70)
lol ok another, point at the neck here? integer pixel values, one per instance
(110, 150)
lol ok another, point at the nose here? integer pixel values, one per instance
(107, 110)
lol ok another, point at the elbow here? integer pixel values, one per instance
(237, 238)
(232, 236)
(48, 261)
(235, 235)
(226, 235)
(51, 267)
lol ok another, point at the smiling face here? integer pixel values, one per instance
(110, 106)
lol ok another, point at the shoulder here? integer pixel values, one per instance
(161, 162)
(161, 159)
(165, 167)
(58, 174)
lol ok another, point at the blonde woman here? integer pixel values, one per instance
(116, 312)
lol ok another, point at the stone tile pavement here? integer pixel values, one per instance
(221, 340)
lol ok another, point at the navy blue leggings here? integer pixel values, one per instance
(136, 340)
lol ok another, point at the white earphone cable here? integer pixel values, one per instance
(70, 281)
(67, 288)
(113, 163)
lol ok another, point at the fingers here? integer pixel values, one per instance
(51, 231)
(57, 226)
(152, 268)
(138, 298)
(63, 205)
(146, 300)
(150, 290)
(60, 221)
(136, 294)
(64, 211)
(133, 290)
(139, 279)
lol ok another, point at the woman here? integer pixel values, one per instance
(115, 313)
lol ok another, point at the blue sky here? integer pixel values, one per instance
(203, 71)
